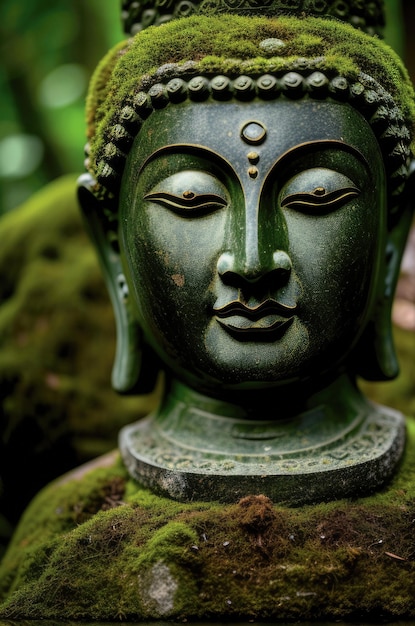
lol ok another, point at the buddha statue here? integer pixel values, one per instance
(249, 193)
(248, 197)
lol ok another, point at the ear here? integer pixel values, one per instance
(128, 375)
(376, 348)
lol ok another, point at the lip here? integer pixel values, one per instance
(266, 321)
(268, 328)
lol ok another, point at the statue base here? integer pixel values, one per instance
(190, 453)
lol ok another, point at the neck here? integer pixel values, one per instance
(340, 398)
(199, 422)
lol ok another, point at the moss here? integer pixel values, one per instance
(226, 37)
(101, 76)
(57, 341)
(145, 557)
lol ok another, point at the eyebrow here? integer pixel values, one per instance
(309, 147)
(184, 148)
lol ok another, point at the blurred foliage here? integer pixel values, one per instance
(48, 51)
(400, 392)
(395, 25)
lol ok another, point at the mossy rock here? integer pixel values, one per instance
(57, 341)
(97, 546)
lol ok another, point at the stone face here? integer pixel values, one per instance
(258, 290)
(99, 546)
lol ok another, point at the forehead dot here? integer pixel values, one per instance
(253, 157)
(253, 133)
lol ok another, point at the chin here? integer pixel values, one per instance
(232, 362)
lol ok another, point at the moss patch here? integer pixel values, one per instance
(57, 341)
(80, 554)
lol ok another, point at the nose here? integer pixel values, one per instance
(251, 269)
(256, 244)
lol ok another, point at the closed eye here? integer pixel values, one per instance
(188, 202)
(319, 200)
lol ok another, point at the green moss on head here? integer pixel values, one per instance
(98, 86)
(231, 44)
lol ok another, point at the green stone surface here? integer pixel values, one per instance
(188, 452)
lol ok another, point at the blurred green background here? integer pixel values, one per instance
(48, 52)
(57, 408)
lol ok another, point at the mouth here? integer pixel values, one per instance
(267, 321)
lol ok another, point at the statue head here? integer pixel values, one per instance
(250, 199)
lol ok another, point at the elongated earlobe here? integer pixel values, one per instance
(135, 368)
(376, 351)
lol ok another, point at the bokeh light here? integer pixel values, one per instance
(20, 155)
(63, 86)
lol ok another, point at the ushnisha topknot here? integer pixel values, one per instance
(311, 57)
(368, 16)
